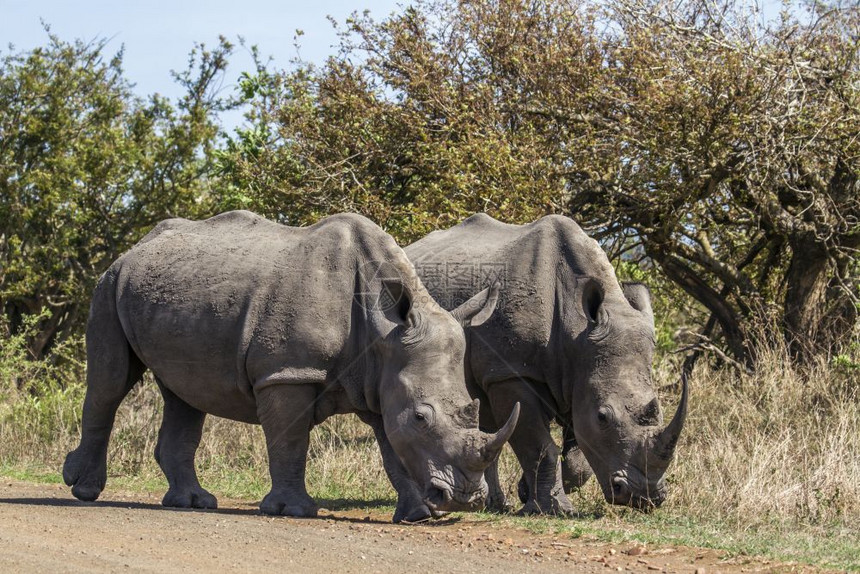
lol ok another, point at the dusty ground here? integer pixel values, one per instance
(44, 529)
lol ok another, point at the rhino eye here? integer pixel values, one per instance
(604, 415)
(423, 415)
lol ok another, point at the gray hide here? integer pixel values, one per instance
(568, 343)
(246, 319)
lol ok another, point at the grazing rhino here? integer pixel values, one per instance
(250, 320)
(568, 343)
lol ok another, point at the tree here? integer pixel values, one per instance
(720, 147)
(391, 128)
(740, 163)
(86, 168)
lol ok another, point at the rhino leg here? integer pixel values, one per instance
(286, 414)
(410, 503)
(496, 499)
(535, 449)
(523, 489)
(178, 439)
(575, 470)
(112, 370)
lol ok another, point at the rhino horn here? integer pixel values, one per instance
(497, 440)
(667, 439)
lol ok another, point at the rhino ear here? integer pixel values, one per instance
(592, 302)
(639, 298)
(396, 301)
(479, 308)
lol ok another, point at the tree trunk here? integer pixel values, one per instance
(715, 302)
(807, 279)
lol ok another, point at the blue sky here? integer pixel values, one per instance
(158, 34)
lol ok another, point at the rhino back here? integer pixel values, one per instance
(218, 306)
(538, 265)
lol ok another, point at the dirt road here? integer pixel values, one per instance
(44, 529)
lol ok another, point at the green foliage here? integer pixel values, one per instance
(849, 361)
(86, 168)
(20, 371)
(398, 143)
(40, 398)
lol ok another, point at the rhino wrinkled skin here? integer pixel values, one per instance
(250, 320)
(569, 343)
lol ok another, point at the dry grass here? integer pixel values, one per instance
(772, 450)
(343, 460)
(773, 446)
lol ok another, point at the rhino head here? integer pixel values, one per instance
(429, 417)
(617, 417)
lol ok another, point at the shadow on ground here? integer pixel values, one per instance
(355, 510)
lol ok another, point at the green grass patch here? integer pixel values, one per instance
(31, 473)
(830, 546)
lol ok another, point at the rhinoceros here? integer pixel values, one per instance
(567, 342)
(243, 318)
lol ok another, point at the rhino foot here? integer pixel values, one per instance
(418, 512)
(553, 507)
(412, 515)
(189, 498)
(557, 505)
(497, 504)
(86, 477)
(287, 504)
